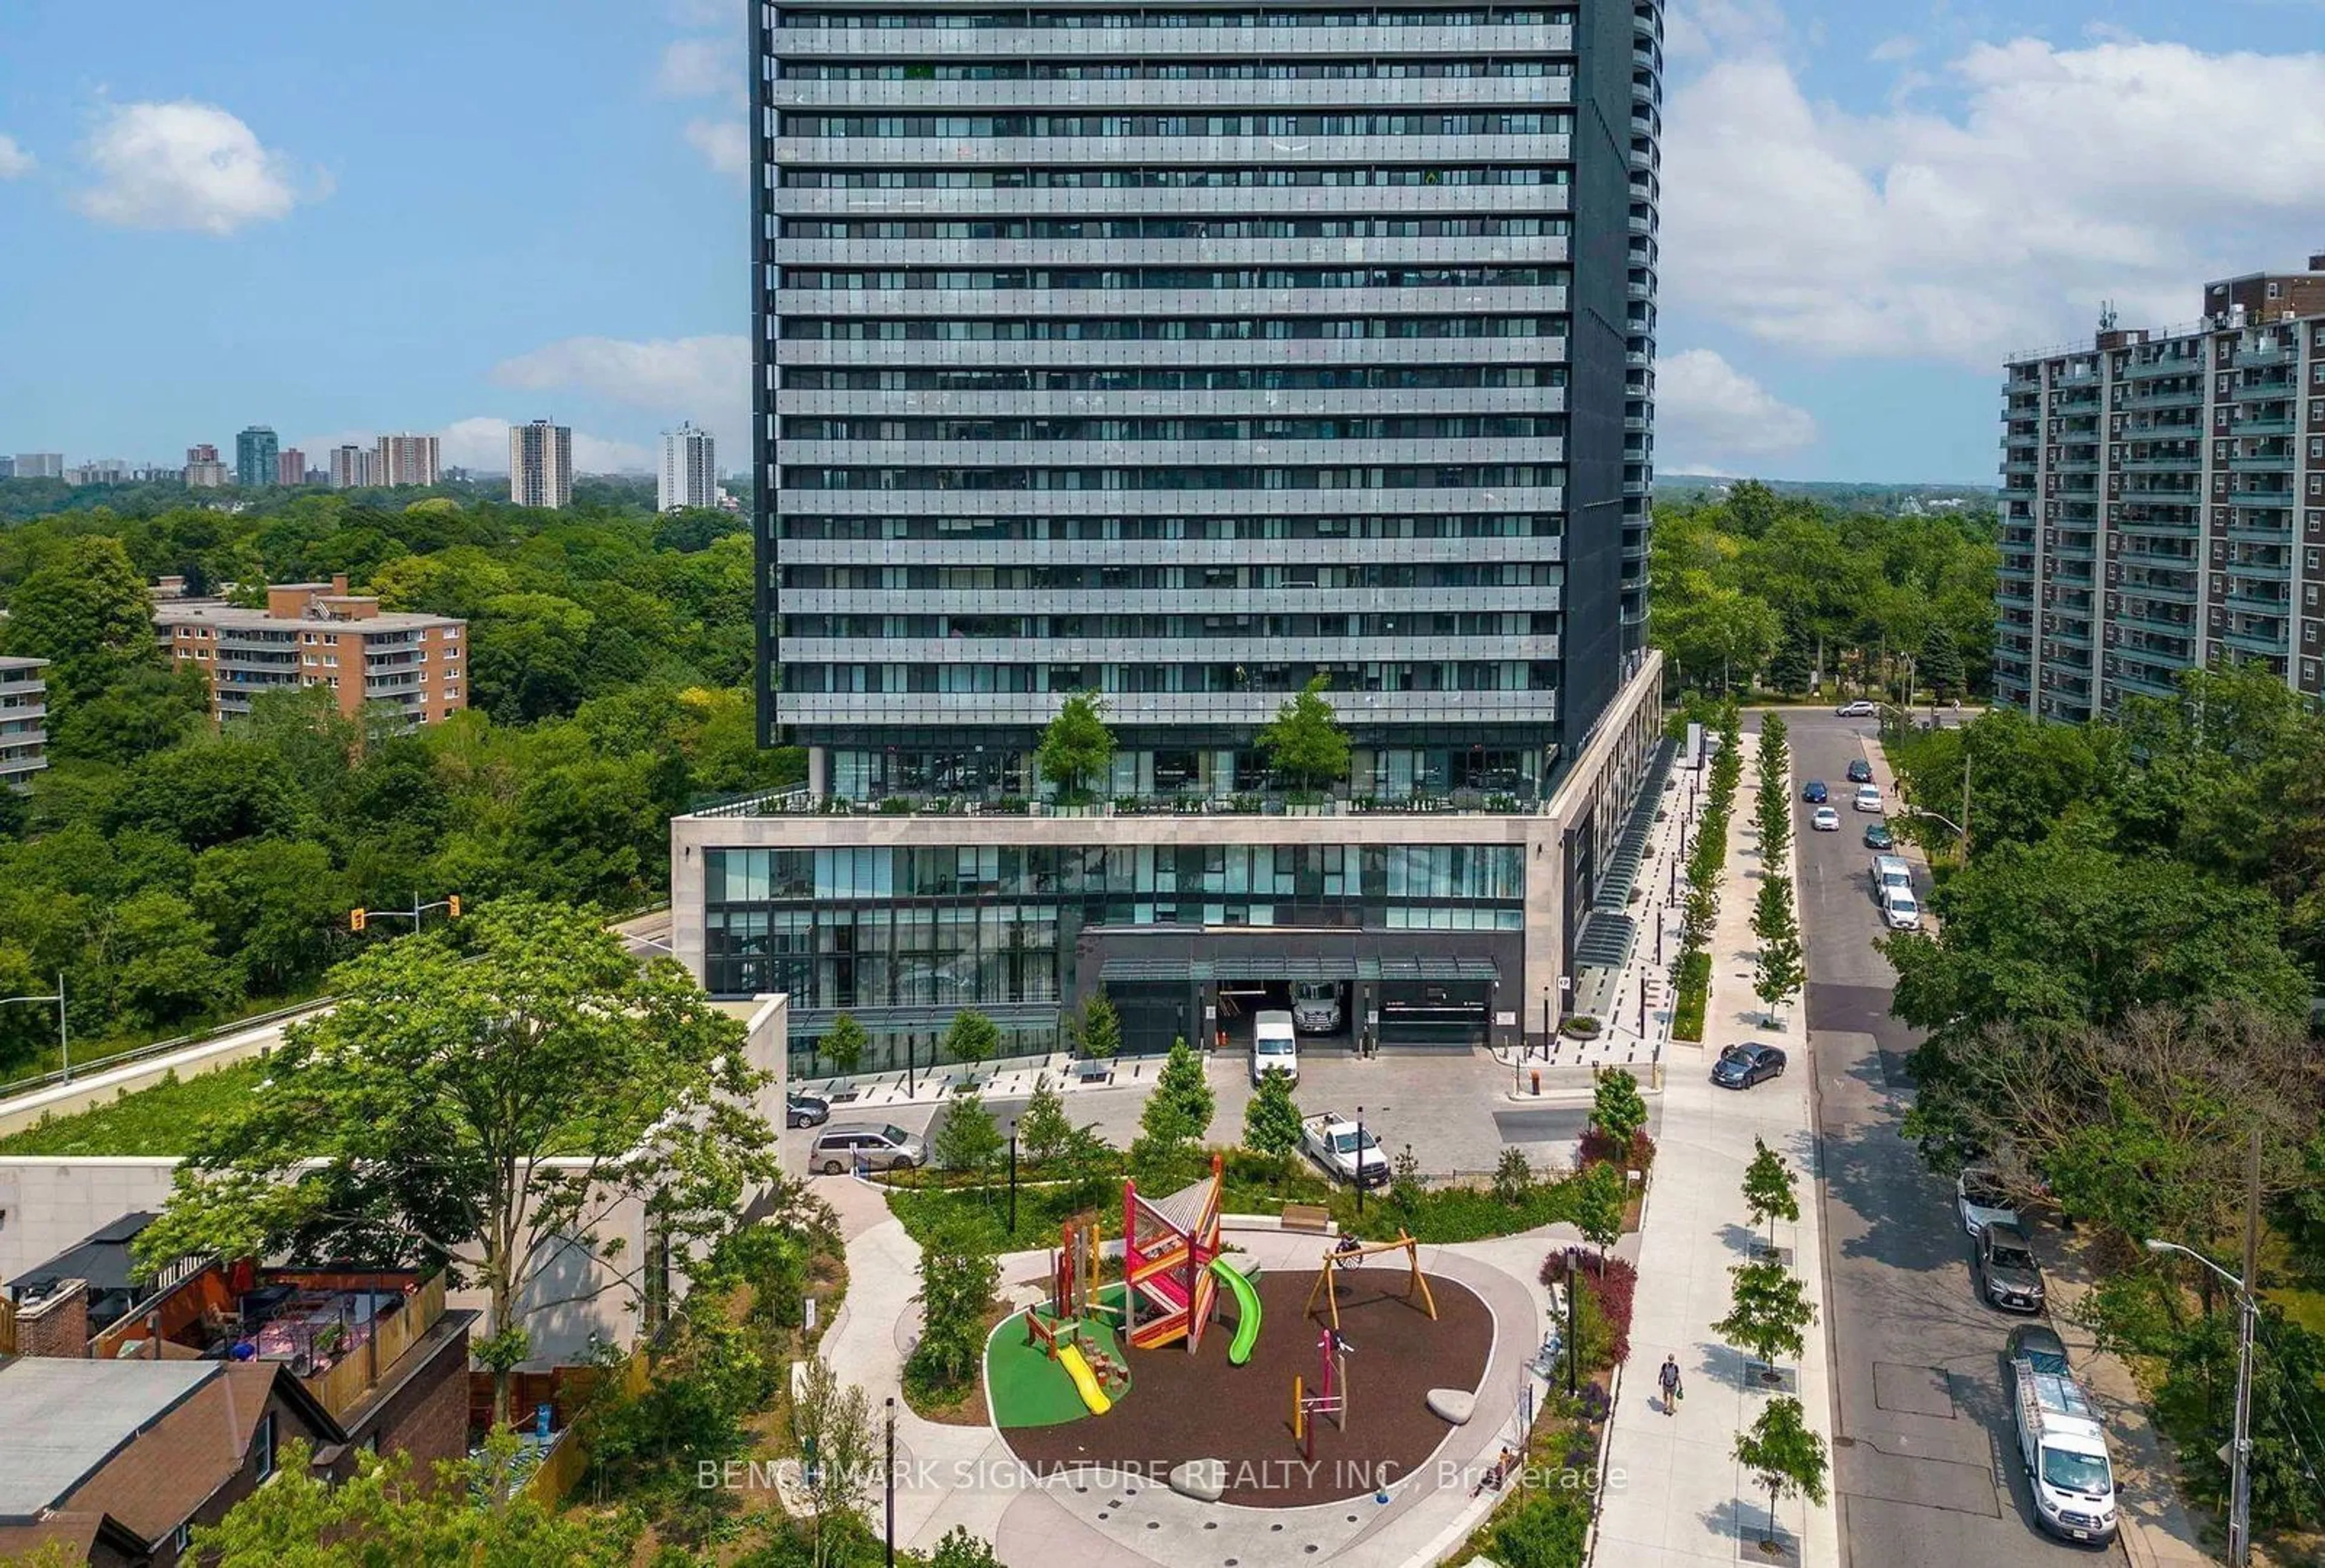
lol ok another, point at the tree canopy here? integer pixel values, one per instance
(1305, 740)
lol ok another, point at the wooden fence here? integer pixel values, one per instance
(7, 1327)
(340, 1386)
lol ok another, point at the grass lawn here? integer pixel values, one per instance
(160, 1121)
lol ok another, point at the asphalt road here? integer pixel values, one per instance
(1925, 1465)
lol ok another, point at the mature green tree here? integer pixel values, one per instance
(1785, 1456)
(1770, 1192)
(1077, 745)
(1941, 661)
(409, 1123)
(958, 1279)
(1769, 1314)
(165, 968)
(475, 1511)
(146, 709)
(1270, 1121)
(84, 608)
(1305, 740)
(591, 830)
(279, 909)
(215, 794)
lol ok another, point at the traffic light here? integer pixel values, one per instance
(453, 906)
(354, 920)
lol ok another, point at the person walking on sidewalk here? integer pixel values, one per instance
(1669, 1379)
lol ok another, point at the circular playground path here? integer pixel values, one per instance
(1183, 1408)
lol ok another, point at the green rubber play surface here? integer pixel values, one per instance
(1027, 1389)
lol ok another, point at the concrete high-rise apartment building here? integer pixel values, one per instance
(291, 467)
(541, 465)
(203, 469)
(257, 454)
(317, 634)
(408, 460)
(690, 469)
(7, 466)
(39, 466)
(24, 720)
(353, 466)
(2164, 502)
(1183, 356)
(98, 471)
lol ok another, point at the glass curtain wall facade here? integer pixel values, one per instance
(1183, 353)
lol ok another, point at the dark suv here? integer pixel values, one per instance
(2007, 1275)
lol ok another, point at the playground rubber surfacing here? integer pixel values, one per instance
(1184, 1407)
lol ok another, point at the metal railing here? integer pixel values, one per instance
(89, 1067)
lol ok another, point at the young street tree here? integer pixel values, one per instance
(1305, 739)
(1600, 1194)
(1778, 971)
(1769, 1314)
(1075, 747)
(1042, 1128)
(411, 1124)
(1100, 1029)
(835, 1426)
(844, 1044)
(969, 1140)
(1783, 1456)
(1271, 1122)
(1769, 1190)
(958, 1279)
(972, 1039)
(1179, 1109)
(1617, 1109)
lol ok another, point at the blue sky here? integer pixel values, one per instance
(341, 219)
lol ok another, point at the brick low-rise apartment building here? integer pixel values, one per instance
(317, 634)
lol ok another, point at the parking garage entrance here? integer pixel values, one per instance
(1342, 988)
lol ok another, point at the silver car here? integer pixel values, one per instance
(841, 1149)
(1983, 1201)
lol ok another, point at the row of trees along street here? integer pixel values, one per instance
(1757, 590)
(2123, 991)
(175, 875)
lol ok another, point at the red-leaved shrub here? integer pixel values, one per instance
(1614, 1292)
(1599, 1148)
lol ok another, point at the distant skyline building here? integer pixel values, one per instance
(2163, 503)
(291, 467)
(98, 471)
(256, 452)
(690, 469)
(40, 465)
(203, 469)
(541, 465)
(352, 467)
(404, 459)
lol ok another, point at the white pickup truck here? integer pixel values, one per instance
(1335, 1144)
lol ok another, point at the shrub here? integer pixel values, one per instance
(1581, 1029)
(1694, 992)
(1513, 1177)
(1617, 1291)
(1599, 1148)
(1546, 1531)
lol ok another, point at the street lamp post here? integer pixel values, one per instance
(1360, 1160)
(1013, 1178)
(55, 999)
(2247, 1321)
(888, 1476)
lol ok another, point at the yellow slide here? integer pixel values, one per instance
(1070, 1357)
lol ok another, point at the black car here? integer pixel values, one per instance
(1742, 1066)
(1861, 772)
(1878, 837)
(805, 1110)
(1815, 794)
(2007, 1275)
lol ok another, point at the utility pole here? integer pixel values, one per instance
(2248, 1313)
(1965, 821)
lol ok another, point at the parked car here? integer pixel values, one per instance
(2007, 1275)
(1825, 820)
(1338, 1145)
(806, 1110)
(1742, 1066)
(1983, 1201)
(1900, 910)
(1868, 798)
(840, 1149)
(1861, 772)
(1815, 794)
(1877, 836)
(1860, 709)
(1274, 1047)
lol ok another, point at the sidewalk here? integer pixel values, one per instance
(1675, 1494)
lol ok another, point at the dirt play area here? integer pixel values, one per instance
(1198, 1407)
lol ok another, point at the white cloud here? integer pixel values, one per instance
(15, 161)
(1698, 29)
(698, 67)
(2118, 171)
(727, 143)
(1712, 418)
(1890, 50)
(481, 443)
(189, 165)
(705, 379)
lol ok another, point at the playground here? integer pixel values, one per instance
(1293, 1385)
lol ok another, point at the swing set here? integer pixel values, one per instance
(1416, 1290)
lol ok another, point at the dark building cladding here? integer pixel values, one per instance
(940, 560)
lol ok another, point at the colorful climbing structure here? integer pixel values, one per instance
(1168, 1245)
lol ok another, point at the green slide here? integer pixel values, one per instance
(1246, 1333)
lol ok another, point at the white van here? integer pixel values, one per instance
(1316, 1006)
(1889, 871)
(1274, 1048)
